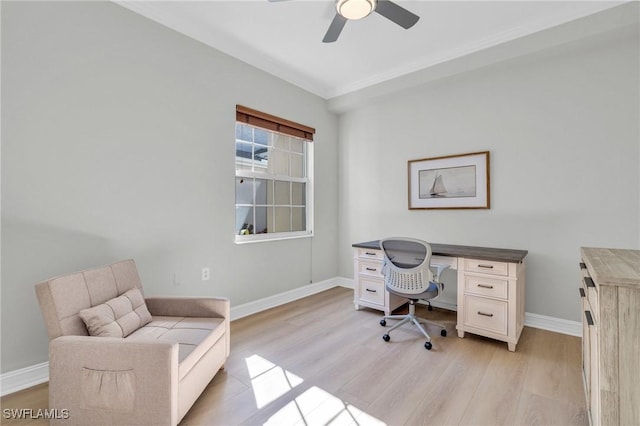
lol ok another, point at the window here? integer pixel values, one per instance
(273, 177)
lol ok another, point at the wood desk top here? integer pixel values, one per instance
(470, 252)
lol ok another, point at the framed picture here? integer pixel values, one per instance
(451, 182)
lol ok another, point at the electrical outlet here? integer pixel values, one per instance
(205, 274)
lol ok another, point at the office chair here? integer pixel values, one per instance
(407, 273)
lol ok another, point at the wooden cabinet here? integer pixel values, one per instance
(491, 299)
(369, 288)
(610, 294)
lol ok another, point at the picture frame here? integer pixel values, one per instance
(451, 182)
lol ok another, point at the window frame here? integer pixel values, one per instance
(308, 180)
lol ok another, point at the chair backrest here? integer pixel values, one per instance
(61, 298)
(406, 264)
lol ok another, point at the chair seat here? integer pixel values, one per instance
(195, 337)
(430, 293)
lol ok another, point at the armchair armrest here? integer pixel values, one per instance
(216, 307)
(103, 380)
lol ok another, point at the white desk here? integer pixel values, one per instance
(490, 287)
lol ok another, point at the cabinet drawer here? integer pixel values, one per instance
(486, 286)
(486, 267)
(371, 290)
(370, 254)
(370, 267)
(486, 314)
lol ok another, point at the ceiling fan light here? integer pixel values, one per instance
(355, 9)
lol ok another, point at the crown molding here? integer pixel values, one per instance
(621, 20)
(471, 48)
(221, 42)
(252, 56)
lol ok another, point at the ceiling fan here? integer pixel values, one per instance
(347, 10)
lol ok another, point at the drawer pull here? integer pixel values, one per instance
(485, 266)
(582, 293)
(372, 291)
(582, 265)
(589, 282)
(485, 286)
(371, 269)
(484, 314)
(589, 317)
(368, 253)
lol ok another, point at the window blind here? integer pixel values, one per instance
(273, 123)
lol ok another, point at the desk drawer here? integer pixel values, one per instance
(486, 314)
(370, 254)
(370, 268)
(371, 290)
(486, 267)
(486, 286)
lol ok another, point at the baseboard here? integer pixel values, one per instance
(344, 282)
(256, 306)
(17, 380)
(14, 381)
(559, 325)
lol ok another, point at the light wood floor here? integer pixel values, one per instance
(319, 361)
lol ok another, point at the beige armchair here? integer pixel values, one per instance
(116, 358)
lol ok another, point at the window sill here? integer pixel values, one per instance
(260, 238)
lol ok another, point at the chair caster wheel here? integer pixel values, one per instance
(428, 346)
(386, 338)
(443, 333)
(383, 322)
(430, 308)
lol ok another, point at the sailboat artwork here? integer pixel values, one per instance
(450, 182)
(460, 182)
(437, 189)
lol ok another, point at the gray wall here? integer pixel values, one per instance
(118, 142)
(562, 129)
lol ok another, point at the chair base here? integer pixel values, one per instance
(412, 318)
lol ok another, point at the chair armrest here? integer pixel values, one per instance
(439, 270)
(204, 307)
(104, 380)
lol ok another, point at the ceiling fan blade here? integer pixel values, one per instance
(334, 29)
(397, 14)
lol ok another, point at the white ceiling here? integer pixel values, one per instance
(285, 38)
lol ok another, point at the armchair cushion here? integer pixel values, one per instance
(117, 317)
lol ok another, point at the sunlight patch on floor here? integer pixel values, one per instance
(316, 406)
(268, 380)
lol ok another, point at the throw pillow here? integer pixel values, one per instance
(117, 317)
